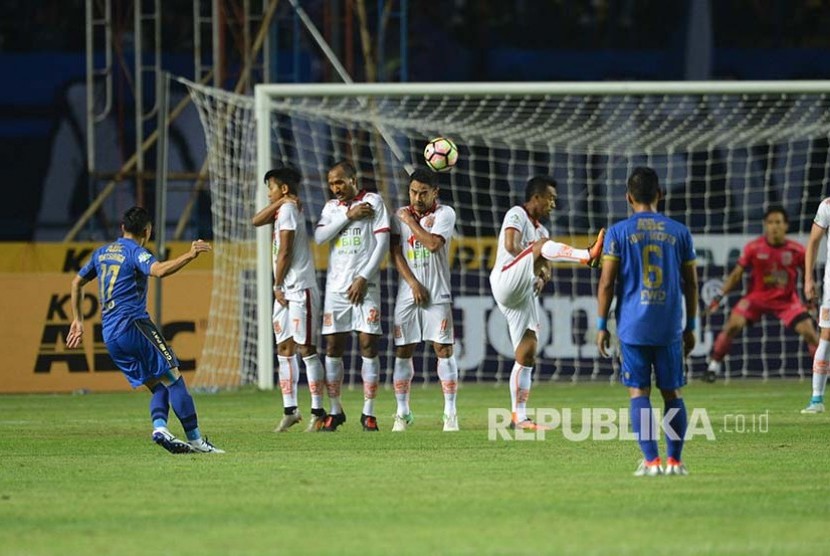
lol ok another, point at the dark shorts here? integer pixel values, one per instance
(752, 307)
(142, 353)
(666, 362)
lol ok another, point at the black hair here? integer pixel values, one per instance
(135, 220)
(424, 176)
(538, 185)
(643, 185)
(285, 175)
(780, 210)
(347, 167)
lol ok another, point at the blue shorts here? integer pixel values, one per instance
(667, 362)
(142, 353)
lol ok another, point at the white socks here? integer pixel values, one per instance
(448, 373)
(402, 378)
(334, 381)
(316, 380)
(821, 366)
(288, 380)
(554, 251)
(370, 372)
(520, 380)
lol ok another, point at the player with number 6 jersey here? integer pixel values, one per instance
(648, 262)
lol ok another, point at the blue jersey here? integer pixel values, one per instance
(122, 268)
(651, 249)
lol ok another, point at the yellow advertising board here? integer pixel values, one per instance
(36, 281)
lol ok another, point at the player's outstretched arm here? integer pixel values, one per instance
(732, 281)
(166, 268)
(76, 329)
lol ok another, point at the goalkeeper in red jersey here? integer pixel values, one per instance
(774, 262)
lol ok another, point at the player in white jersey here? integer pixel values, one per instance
(356, 225)
(821, 359)
(523, 258)
(296, 296)
(421, 235)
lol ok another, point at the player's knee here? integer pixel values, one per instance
(443, 350)
(672, 394)
(405, 352)
(307, 350)
(286, 348)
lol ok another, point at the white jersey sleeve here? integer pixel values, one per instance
(529, 231)
(823, 214)
(332, 219)
(380, 223)
(300, 274)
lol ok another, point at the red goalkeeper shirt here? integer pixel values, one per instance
(774, 269)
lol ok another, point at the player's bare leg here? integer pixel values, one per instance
(734, 324)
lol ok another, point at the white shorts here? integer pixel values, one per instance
(513, 290)
(416, 323)
(824, 310)
(340, 315)
(300, 320)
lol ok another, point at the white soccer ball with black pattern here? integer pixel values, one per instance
(441, 154)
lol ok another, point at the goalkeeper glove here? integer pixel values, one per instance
(714, 304)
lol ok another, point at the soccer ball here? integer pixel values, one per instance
(441, 154)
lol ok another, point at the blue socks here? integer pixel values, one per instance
(159, 406)
(185, 409)
(644, 426)
(677, 423)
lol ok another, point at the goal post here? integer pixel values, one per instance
(724, 151)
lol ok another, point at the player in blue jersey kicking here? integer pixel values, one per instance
(651, 258)
(134, 342)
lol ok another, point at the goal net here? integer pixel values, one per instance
(724, 152)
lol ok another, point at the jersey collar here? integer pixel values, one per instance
(429, 211)
(355, 199)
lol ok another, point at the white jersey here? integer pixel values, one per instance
(432, 270)
(823, 219)
(300, 274)
(529, 229)
(355, 241)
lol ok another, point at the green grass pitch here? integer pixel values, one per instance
(80, 475)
